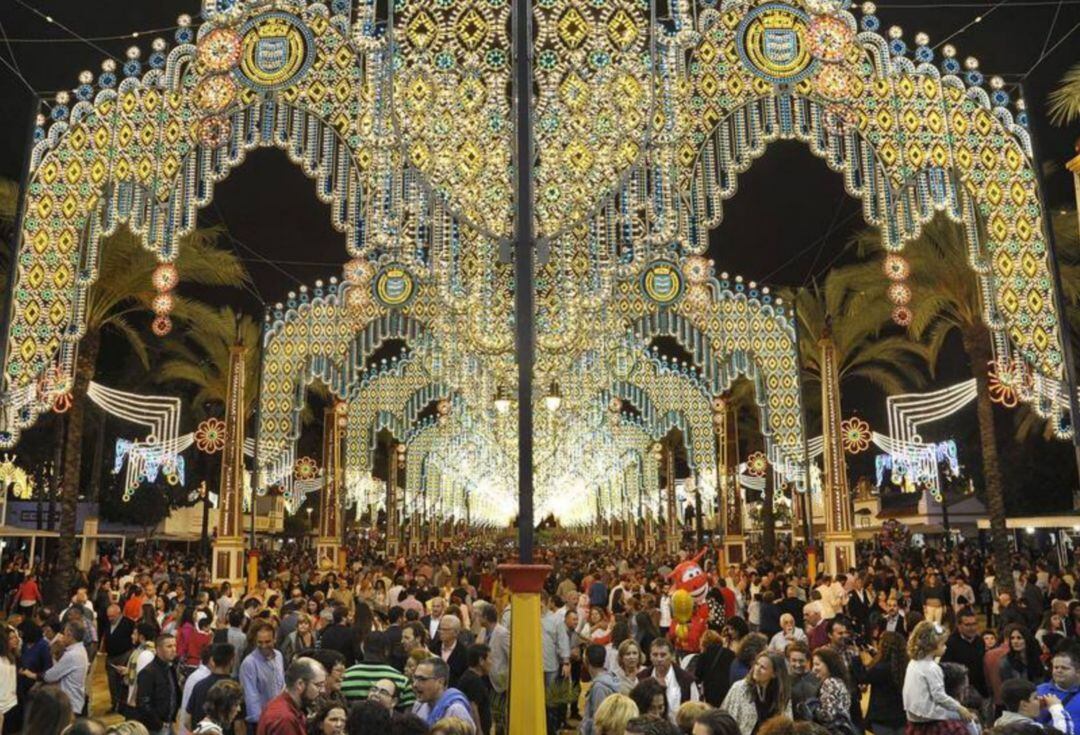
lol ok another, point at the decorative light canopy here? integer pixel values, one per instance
(643, 125)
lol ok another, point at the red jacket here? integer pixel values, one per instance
(282, 717)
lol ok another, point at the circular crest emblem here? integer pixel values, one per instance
(772, 41)
(662, 282)
(276, 50)
(394, 286)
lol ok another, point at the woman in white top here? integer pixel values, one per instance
(9, 651)
(764, 693)
(788, 634)
(930, 710)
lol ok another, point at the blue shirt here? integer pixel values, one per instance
(1071, 700)
(262, 680)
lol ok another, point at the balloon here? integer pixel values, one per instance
(682, 606)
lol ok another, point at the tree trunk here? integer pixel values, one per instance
(768, 518)
(977, 345)
(99, 458)
(69, 488)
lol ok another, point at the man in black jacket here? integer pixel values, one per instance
(117, 646)
(339, 635)
(792, 605)
(159, 693)
(449, 649)
(966, 647)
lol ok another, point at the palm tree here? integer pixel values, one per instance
(945, 298)
(844, 310)
(860, 322)
(123, 291)
(201, 355)
(1064, 102)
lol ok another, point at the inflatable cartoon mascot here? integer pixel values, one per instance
(689, 605)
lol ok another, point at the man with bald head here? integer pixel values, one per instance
(447, 648)
(117, 644)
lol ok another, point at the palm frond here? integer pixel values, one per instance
(1064, 102)
(133, 338)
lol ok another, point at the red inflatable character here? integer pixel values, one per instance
(689, 605)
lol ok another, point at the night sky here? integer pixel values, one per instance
(789, 222)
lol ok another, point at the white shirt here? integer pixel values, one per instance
(7, 686)
(189, 686)
(145, 657)
(780, 641)
(665, 611)
(674, 693)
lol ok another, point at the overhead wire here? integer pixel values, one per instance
(1043, 56)
(11, 51)
(116, 37)
(58, 24)
(978, 19)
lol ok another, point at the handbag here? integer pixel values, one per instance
(810, 711)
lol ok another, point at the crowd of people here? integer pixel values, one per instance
(921, 642)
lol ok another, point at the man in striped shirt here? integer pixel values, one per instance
(359, 678)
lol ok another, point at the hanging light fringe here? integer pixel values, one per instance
(161, 414)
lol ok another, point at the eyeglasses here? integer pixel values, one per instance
(380, 692)
(422, 678)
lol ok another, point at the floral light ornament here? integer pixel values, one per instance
(899, 293)
(896, 267)
(757, 464)
(219, 51)
(161, 326)
(1001, 390)
(829, 38)
(210, 436)
(856, 435)
(165, 277)
(902, 316)
(305, 469)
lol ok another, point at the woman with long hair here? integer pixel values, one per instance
(221, 707)
(300, 639)
(1022, 661)
(929, 708)
(835, 692)
(9, 642)
(765, 692)
(885, 712)
(628, 665)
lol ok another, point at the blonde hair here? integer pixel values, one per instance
(626, 646)
(924, 640)
(688, 712)
(452, 726)
(613, 714)
(130, 727)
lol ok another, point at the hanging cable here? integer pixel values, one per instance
(58, 24)
(978, 19)
(1045, 54)
(117, 37)
(11, 51)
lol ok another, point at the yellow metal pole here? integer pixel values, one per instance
(526, 690)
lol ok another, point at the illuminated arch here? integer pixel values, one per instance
(916, 140)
